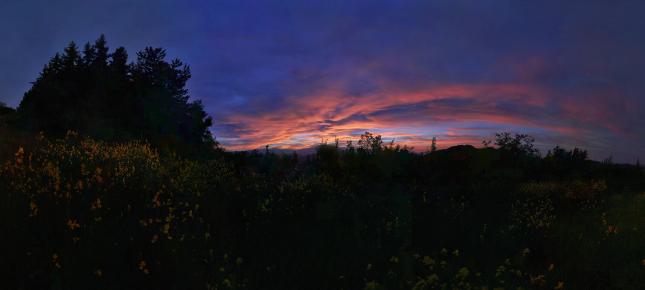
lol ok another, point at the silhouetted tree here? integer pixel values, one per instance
(370, 143)
(349, 147)
(573, 156)
(5, 110)
(99, 94)
(519, 144)
(638, 162)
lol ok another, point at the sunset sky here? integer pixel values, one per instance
(292, 73)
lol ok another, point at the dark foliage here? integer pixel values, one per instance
(99, 94)
(79, 213)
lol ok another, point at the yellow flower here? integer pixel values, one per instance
(538, 280)
(73, 224)
(227, 283)
(96, 204)
(612, 229)
(462, 274)
(33, 207)
(165, 228)
(428, 261)
(371, 285)
(19, 155)
(432, 279)
(560, 285)
(79, 185)
(97, 175)
(56, 260)
(143, 266)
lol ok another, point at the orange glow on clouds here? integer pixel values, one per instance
(411, 118)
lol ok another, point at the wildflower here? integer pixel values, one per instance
(156, 201)
(371, 285)
(500, 271)
(73, 224)
(56, 260)
(84, 170)
(33, 207)
(165, 229)
(143, 266)
(227, 283)
(20, 155)
(432, 279)
(96, 204)
(79, 185)
(462, 274)
(537, 280)
(97, 175)
(428, 261)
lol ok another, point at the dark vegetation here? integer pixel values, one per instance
(110, 179)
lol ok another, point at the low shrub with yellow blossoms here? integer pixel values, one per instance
(79, 203)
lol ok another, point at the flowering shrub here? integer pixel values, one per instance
(98, 210)
(76, 213)
(447, 269)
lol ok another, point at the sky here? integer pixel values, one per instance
(291, 74)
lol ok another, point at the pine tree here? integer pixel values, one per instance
(100, 95)
(433, 147)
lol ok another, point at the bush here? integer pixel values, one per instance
(82, 213)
